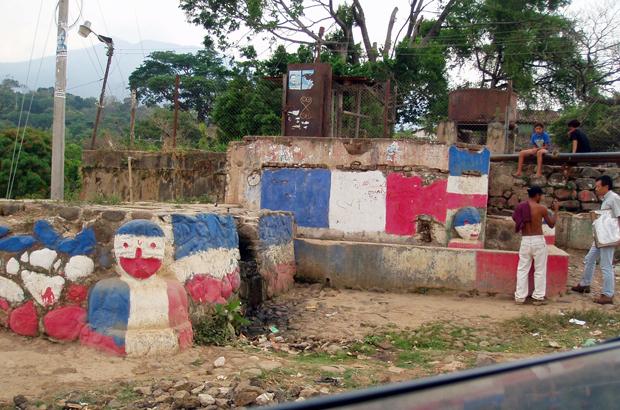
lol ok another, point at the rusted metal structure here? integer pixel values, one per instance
(482, 105)
(316, 104)
(472, 109)
(307, 100)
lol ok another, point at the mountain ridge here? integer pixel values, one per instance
(85, 67)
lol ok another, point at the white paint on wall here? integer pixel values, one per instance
(24, 258)
(12, 266)
(357, 201)
(468, 185)
(57, 265)
(10, 291)
(43, 258)
(213, 262)
(148, 327)
(78, 267)
(44, 289)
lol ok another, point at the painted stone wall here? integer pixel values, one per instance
(572, 187)
(156, 176)
(399, 191)
(407, 268)
(126, 280)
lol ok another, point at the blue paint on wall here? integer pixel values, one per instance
(193, 234)
(463, 160)
(46, 233)
(17, 243)
(140, 227)
(275, 229)
(108, 309)
(83, 243)
(305, 192)
(4, 230)
(466, 216)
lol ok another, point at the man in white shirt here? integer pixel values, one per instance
(611, 202)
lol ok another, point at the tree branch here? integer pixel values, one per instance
(437, 26)
(388, 36)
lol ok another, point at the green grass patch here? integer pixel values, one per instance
(317, 358)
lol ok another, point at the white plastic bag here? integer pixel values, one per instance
(605, 228)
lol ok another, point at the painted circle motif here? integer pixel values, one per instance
(467, 223)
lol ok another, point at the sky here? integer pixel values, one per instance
(135, 20)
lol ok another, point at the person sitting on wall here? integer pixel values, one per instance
(605, 255)
(540, 146)
(580, 142)
(528, 217)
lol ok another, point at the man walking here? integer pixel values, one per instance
(528, 217)
(611, 202)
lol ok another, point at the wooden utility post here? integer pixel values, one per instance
(110, 46)
(319, 44)
(132, 120)
(177, 80)
(60, 90)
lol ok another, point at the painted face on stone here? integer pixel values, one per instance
(139, 248)
(467, 223)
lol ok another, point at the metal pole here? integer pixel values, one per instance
(386, 107)
(130, 179)
(100, 107)
(60, 89)
(132, 120)
(176, 111)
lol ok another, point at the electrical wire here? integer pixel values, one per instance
(21, 143)
(21, 110)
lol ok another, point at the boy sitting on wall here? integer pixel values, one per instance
(540, 146)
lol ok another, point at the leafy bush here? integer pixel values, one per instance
(221, 326)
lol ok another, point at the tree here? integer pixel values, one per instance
(597, 72)
(298, 21)
(33, 168)
(527, 42)
(202, 77)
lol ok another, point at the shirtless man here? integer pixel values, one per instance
(533, 246)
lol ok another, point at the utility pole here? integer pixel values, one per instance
(110, 52)
(132, 121)
(176, 111)
(60, 90)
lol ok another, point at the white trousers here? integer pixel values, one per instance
(532, 247)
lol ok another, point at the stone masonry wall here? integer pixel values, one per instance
(156, 176)
(573, 187)
(57, 262)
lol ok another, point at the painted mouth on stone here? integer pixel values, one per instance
(140, 268)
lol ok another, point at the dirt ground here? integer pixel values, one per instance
(43, 370)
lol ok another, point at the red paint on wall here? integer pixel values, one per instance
(139, 267)
(178, 314)
(48, 297)
(100, 342)
(24, 320)
(407, 198)
(4, 305)
(65, 323)
(77, 294)
(207, 289)
(497, 272)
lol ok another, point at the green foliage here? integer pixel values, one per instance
(527, 41)
(202, 77)
(600, 122)
(33, 169)
(73, 176)
(79, 112)
(249, 106)
(221, 326)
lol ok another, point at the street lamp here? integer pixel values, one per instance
(85, 31)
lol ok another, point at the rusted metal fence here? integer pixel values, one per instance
(363, 109)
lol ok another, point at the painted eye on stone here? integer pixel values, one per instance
(125, 245)
(153, 245)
